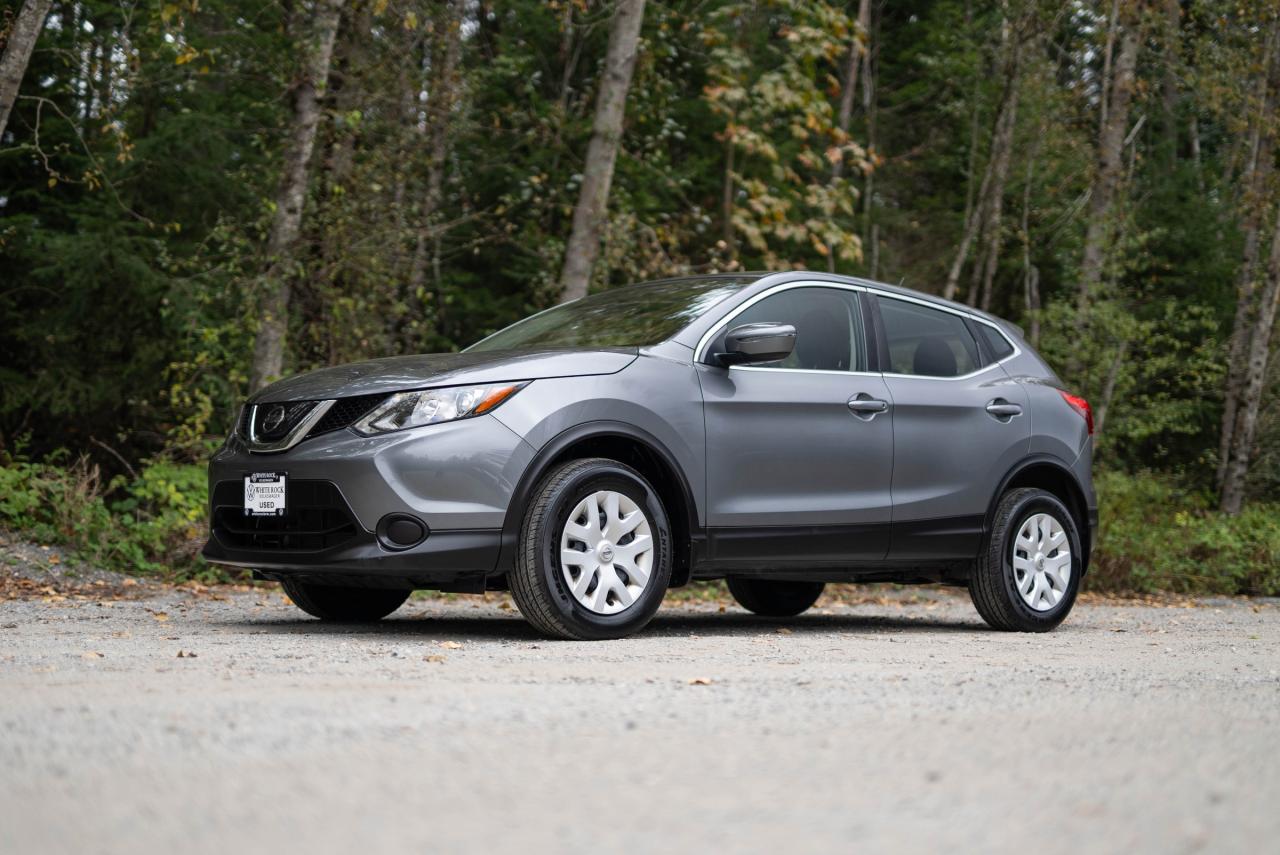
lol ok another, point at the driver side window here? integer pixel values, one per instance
(828, 322)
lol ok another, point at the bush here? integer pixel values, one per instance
(1156, 537)
(153, 523)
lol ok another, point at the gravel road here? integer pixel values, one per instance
(891, 725)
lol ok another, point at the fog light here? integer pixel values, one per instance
(401, 531)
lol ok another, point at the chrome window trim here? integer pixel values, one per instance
(700, 351)
(293, 437)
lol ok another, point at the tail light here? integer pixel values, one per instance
(1081, 406)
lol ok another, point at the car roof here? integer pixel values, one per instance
(757, 281)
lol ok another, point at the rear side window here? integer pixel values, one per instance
(997, 344)
(926, 342)
(828, 324)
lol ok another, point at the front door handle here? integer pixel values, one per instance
(1002, 409)
(866, 407)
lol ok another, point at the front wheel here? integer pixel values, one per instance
(342, 603)
(1028, 575)
(594, 558)
(771, 598)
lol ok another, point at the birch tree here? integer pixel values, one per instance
(1254, 318)
(443, 94)
(583, 247)
(315, 37)
(1254, 180)
(17, 53)
(982, 219)
(1116, 101)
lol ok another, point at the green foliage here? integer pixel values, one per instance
(1157, 536)
(140, 165)
(152, 524)
(777, 100)
(1150, 372)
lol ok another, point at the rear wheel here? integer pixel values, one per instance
(1028, 574)
(774, 598)
(594, 559)
(341, 603)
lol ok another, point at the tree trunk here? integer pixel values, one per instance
(1169, 90)
(1111, 135)
(444, 95)
(726, 201)
(602, 152)
(268, 347)
(983, 224)
(1255, 176)
(847, 93)
(1109, 387)
(1251, 397)
(1030, 274)
(870, 231)
(17, 53)
(995, 207)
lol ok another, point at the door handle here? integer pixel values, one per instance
(1002, 409)
(866, 407)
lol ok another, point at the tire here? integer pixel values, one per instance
(339, 603)
(770, 598)
(997, 586)
(595, 597)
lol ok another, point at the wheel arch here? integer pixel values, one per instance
(627, 444)
(1047, 473)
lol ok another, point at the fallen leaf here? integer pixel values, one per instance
(700, 681)
(782, 630)
(451, 645)
(92, 654)
(434, 657)
(190, 654)
(160, 616)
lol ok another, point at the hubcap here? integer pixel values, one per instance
(1041, 562)
(606, 552)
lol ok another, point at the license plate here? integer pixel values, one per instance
(264, 494)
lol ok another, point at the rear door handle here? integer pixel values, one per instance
(1002, 409)
(865, 406)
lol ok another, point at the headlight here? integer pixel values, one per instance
(432, 406)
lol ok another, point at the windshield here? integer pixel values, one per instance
(631, 316)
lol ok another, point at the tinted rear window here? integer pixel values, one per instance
(997, 344)
(927, 342)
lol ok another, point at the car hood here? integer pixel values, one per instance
(399, 373)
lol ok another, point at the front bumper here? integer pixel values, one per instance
(445, 558)
(456, 478)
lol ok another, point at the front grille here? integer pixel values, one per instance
(346, 412)
(272, 422)
(316, 518)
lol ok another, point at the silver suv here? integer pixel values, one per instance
(779, 431)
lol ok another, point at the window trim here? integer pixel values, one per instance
(704, 343)
(881, 340)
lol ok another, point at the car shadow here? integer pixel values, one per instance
(512, 627)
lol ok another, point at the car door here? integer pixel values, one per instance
(800, 451)
(959, 424)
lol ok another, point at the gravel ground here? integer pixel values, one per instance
(150, 719)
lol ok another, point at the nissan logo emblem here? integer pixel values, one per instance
(273, 419)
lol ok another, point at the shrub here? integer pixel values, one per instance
(1154, 536)
(151, 523)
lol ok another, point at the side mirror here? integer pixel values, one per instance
(750, 343)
